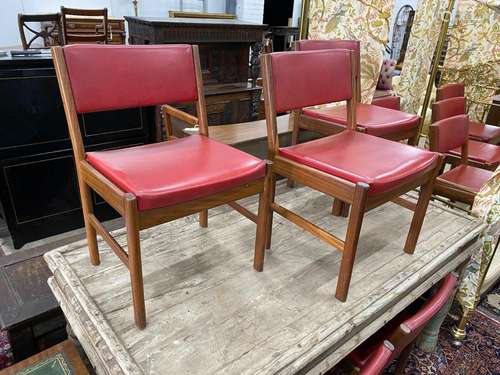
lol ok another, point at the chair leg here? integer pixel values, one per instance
(403, 358)
(203, 218)
(340, 208)
(420, 210)
(263, 217)
(351, 241)
(272, 196)
(134, 259)
(295, 139)
(87, 209)
(413, 140)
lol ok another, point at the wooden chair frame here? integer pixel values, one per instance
(453, 191)
(340, 189)
(99, 37)
(125, 203)
(50, 33)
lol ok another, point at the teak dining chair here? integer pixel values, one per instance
(72, 37)
(480, 154)
(462, 182)
(379, 120)
(156, 183)
(356, 168)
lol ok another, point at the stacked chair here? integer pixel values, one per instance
(397, 338)
(453, 96)
(382, 118)
(481, 152)
(462, 182)
(351, 166)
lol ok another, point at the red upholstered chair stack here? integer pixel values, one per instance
(481, 154)
(451, 98)
(379, 120)
(146, 184)
(462, 182)
(397, 337)
(354, 167)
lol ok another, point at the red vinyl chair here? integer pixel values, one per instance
(450, 103)
(379, 120)
(397, 337)
(390, 102)
(451, 90)
(481, 154)
(462, 182)
(146, 184)
(353, 167)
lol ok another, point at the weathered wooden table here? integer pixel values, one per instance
(210, 312)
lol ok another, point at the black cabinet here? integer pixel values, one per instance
(38, 183)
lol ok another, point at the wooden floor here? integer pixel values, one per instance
(210, 312)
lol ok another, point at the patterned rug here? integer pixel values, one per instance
(5, 350)
(479, 353)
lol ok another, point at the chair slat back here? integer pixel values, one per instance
(450, 90)
(352, 45)
(118, 77)
(448, 108)
(70, 37)
(449, 133)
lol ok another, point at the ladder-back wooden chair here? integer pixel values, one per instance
(480, 154)
(462, 182)
(101, 33)
(372, 119)
(156, 183)
(357, 168)
(49, 36)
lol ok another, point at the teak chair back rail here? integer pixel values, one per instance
(125, 203)
(355, 194)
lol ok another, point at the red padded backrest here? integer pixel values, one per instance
(303, 79)
(448, 108)
(391, 102)
(452, 132)
(105, 77)
(314, 45)
(450, 90)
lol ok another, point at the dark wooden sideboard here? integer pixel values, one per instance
(38, 185)
(229, 55)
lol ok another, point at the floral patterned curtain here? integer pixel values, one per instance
(363, 20)
(473, 55)
(421, 46)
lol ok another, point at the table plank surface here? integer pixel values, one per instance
(233, 134)
(209, 312)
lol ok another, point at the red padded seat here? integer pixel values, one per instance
(350, 155)
(483, 132)
(469, 178)
(377, 120)
(168, 173)
(480, 152)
